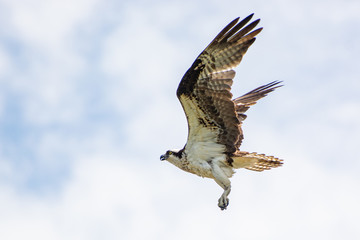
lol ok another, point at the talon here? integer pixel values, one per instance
(223, 203)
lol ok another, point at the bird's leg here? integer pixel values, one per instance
(224, 182)
(224, 200)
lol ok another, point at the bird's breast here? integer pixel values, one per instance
(197, 166)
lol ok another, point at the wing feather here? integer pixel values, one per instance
(204, 91)
(243, 103)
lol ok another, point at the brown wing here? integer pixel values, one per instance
(204, 91)
(243, 103)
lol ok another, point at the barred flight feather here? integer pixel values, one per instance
(214, 118)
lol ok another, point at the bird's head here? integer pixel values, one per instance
(170, 155)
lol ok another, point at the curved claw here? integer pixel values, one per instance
(223, 202)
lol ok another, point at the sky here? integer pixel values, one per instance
(88, 105)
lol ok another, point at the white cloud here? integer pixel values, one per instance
(108, 197)
(108, 133)
(48, 64)
(47, 24)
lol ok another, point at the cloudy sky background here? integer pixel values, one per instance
(87, 106)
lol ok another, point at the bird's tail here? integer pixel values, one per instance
(255, 161)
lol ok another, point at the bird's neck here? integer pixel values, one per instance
(179, 162)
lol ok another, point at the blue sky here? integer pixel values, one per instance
(88, 104)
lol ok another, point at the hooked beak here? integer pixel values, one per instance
(162, 157)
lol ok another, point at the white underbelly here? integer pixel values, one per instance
(202, 165)
(202, 148)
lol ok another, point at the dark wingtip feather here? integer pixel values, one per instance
(233, 31)
(274, 84)
(223, 32)
(267, 88)
(243, 33)
(260, 92)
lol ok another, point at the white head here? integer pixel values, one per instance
(172, 155)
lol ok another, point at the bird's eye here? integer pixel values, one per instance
(169, 152)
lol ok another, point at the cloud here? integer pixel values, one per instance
(107, 196)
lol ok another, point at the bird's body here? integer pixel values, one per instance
(214, 119)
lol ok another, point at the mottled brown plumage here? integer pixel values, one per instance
(208, 81)
(214, 118)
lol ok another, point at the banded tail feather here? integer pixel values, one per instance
(255, 161)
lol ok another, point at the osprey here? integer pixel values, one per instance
(214, 119)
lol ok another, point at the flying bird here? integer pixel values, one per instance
(214, 118)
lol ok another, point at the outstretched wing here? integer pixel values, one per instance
(204, 91)
(243, 103)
